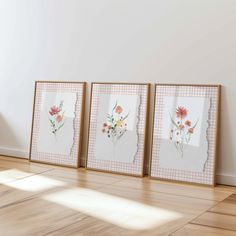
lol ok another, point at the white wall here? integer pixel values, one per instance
(124, 40)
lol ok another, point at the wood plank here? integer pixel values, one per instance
(175, 188)
(113, 215)
(14, 159)
(231, 199)
(38, 215)
(228, 206)
(198, 230)
(35, 202)
(221, 187)
(91, 226)
(85, 175)
(176, 206)
(11, 170)
(35, 217)
(181, 204)
(36, 185)
(216, 220)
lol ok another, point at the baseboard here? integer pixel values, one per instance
(4, 151)
(220, 178)
(226, 179)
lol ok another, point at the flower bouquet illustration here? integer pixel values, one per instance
(57, 119)
(182, 130)
(115, 126)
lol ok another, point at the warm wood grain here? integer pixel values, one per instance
(231, 189)
(198, 230)
(38, 199)
(181, 204)
(215, 194)
(83, 175)
(228, 206)
(216, 220)
(13, 169)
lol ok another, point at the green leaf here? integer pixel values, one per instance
(125, 117)
(195, 124)
(173, 122)
(114, 107)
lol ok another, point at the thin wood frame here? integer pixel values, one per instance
(81, 126)
(145, 129)
(216, 133)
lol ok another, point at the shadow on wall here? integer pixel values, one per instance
(7, 136)
(225, 149)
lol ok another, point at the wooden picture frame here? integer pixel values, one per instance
(104, 133)
(199, 153)
(57, 123)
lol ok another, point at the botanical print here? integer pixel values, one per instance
(184, 125)
(182, 129)
(117, 127)
(56, 125)
(57, 118)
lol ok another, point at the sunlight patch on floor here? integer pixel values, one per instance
(115, 210)
(12, 174)
(33, 183)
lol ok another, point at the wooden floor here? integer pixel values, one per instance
(37, 199)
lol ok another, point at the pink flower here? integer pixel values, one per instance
(188, 122)
(181, 112)
(59, 118)
(190, 130)
(119, 109)
(54, 110)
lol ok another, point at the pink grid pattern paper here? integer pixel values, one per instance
(58, 159)
(135, 168)
(207, 176)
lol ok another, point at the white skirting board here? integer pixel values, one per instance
(226, 179)
(5, 151)
(220, 178)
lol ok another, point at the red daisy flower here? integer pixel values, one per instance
(181, 112)
(54, 110)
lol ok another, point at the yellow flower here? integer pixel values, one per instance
(119, 123)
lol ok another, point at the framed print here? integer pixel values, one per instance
(185, 133)
(117, 127)
(57, 122)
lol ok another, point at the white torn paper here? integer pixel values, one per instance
(117, 128)
(56, 125)
(184, 144)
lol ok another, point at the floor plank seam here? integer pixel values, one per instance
(179, 228)
(63, 227)
(210, 226)
(190, 222)
(181, 195)
(220, 213)
(107, 185)
(25, 177)
(19, 201)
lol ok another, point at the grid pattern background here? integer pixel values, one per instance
(207, 176)
(58, 159)
(136, 167)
